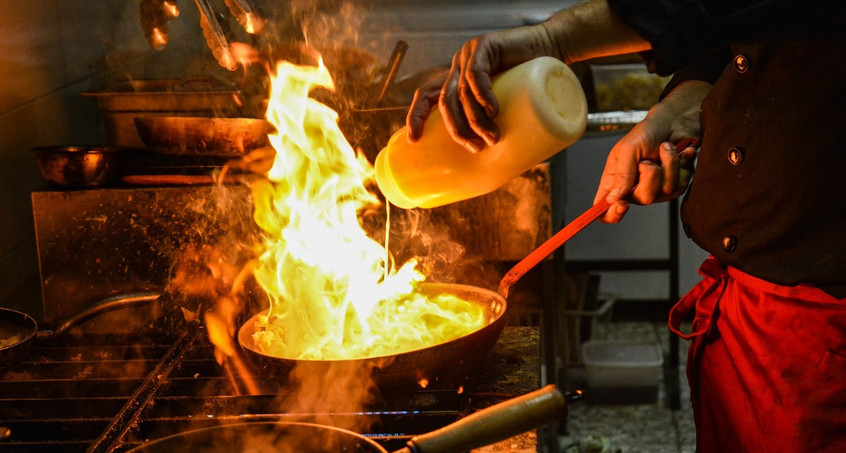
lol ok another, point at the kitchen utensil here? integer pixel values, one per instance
(551, 244)
(79, 166)
(248, 15)
(216, 38)
(487, 426)
(154, 17)
(24, 327)
(203, 136)
(452, 361)
(391, 71)
(565, 234)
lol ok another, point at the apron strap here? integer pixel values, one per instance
(702, 300)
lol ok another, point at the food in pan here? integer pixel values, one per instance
(9, 340)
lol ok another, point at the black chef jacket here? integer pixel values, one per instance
(769, 193)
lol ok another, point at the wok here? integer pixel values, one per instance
(449, 362)
(20, 330)
(487, 426)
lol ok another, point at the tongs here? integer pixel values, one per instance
(156, 13)
(248, 15)
(565, 234)
(216, 36)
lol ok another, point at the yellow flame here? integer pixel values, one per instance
(331, 297)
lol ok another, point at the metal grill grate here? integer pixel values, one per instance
(108, 393)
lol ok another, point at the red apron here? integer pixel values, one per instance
(766, 365)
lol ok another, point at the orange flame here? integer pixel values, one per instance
(333, 292)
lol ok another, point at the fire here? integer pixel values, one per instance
(334, 293)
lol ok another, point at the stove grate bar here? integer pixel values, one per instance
(136, 404)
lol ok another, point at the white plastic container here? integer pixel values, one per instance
(542, 111)
(622, 372)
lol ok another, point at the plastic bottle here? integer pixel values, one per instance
(542, 110)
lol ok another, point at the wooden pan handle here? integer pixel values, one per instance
(495, 423)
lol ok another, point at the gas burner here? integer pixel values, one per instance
(111, 392)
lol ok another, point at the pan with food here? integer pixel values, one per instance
(449, 362)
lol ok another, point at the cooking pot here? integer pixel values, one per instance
(449, 362)
(490, 425)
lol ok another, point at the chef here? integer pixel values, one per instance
(762, 83)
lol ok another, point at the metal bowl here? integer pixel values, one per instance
(79, 166)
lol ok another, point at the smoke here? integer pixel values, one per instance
(435, 239)
(335, 393)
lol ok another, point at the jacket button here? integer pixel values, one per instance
(741, 64)
(735, 156)
(729, 243)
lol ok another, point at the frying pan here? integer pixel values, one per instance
(201, 136)
(452, 361)
(24, 328)
(487, 426)
(449, 362)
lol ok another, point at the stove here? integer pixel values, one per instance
(107, 390)
(111, 392)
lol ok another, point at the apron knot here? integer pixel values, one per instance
(702, 300)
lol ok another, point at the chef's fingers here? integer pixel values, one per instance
(667, 179)
(670, 166)
(425, 99)
(477, 106)
(453, 112)
(615, 213)
(678, 169)
(649, 183)
(687, 161)
(478, 69)
(620, 172)
(617, 178)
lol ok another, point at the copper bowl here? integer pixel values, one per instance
(79, 166)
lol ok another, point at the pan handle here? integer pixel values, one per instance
(493, 424)
(103, 306)
(565, 234)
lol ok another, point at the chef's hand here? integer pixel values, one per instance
(464, 95)
(646, 158)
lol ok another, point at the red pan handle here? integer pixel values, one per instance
(565, 234)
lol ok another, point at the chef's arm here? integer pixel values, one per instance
(465, 97)
(591, 30)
